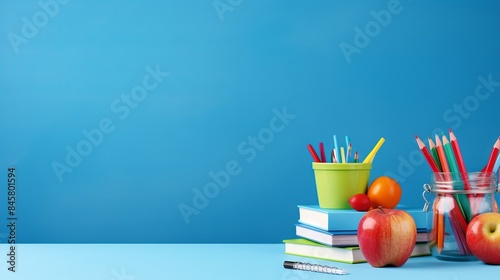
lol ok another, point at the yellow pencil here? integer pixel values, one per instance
(342, 154)
(373, 152)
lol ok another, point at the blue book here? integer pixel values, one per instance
(347, 219)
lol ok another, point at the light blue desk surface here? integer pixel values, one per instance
(206, 261)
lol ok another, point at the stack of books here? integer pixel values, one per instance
(331, 234)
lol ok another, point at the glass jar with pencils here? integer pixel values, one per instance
(456, 199)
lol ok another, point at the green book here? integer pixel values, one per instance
(306, 248)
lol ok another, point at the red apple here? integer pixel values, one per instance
(387, 236)
(483, 237)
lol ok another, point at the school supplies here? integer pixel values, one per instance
(427, 155)
(493, 156)
(347, 219)
(343, 154)
(314, 267)
(313, 153)
(452, 184)
(341, 237)
(307, 248)
(373, 152)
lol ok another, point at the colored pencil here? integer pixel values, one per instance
(458, 219)
(434, 227)
(433, 151)
(450, 158)
(455, 212)
(356, 157)
(336, 147)
(459, 236)
(461, 166)
(313, 153)
(322, 152)
(457, 152)
(335, 156)
(440, 231)
(442, 158)
(348, 155)
(369, 158)
(347, 143)
(497, 164)
(427, 155)
(342, 154)
(493, 156)
(462, 200)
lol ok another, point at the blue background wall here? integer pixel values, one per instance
(117, 114)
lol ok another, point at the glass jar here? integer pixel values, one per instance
(457, 199)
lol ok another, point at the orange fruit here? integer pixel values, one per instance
(384, 191)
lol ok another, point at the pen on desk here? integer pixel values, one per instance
(314, 267)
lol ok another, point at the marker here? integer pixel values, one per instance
(313, 153)
(371, 155)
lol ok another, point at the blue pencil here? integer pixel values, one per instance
(337, 153)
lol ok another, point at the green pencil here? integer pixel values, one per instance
(462, 200)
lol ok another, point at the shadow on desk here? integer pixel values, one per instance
(432, 263)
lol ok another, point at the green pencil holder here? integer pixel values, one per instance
(337, 182)
(456, 199)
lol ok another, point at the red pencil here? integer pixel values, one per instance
(313, 153)
(322, 152)
(427, 155)
(458, 154)
(460, 160)
(493, 156)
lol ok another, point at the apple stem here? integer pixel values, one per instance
(381, 209)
